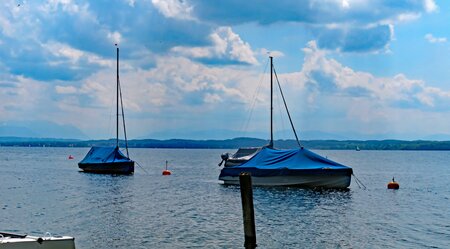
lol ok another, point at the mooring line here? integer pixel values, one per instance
(142, 168)
(359, 182)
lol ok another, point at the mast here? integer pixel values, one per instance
(117, 100)
(271, 102)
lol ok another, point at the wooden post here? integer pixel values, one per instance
(247, 209)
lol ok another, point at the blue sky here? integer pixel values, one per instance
(198, 68)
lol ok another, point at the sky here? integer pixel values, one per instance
(351, 69)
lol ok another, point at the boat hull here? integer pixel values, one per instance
(31, 242)
(122, 168)
(234, 162)
(306, 181)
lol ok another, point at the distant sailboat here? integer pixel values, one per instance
(274, 167)
(110, 160)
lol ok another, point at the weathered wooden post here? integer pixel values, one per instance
(247, 210)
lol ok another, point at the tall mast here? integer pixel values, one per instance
(271, 102)
(117, 101)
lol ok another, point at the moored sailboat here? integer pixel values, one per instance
(110, 160)
(275, 167)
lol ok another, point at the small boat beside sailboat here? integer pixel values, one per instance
(269, 166)
(241, 156)
(110, 160)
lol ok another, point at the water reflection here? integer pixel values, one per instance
(323, 216)
(43, 191)
(111, 201)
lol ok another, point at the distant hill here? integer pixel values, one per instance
(224, 134)
(40, 129)
(233, 143)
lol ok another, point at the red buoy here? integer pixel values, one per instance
(166, 172)
(71, 157)
(393, 184)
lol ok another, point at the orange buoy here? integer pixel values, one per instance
(71, 157)
(393, 184)
(166, 172)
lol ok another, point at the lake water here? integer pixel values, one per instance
(42, 191)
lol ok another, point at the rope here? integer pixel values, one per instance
(281, 120)
(287, 110)
(255, 95)
(111, 109)
(123, 120)
(146, 172)
(359, 182)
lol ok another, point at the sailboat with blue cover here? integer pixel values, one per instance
(110, 160)
(269, 166)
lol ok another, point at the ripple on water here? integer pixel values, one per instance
(43, 191)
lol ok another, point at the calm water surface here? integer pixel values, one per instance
(42, 191)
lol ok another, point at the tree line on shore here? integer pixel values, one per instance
(233, 143)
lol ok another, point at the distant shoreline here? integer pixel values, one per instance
(231, 143)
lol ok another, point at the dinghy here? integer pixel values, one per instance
(22, 241)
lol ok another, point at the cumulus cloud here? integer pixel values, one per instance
(273, 53)
(327, 76)
(197, 29)
(14, 90)
(226, 46)
(430, 5)
(66, 37)
(350, 26)
(66, 89)
(174, 8)
(355, 39)
(59, 56)
(430, 38)
(176, 89)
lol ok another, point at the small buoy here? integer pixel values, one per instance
(166, 172)
(71, 157)
(393, 184)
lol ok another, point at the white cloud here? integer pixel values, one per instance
(66, 89)
(174, 9)
(430, 38)
(65, 51)
(21, 98)
(6, 26)
(407, 17)
(324, 73)
(345, 4)
(116, 37)
(430, 6)
(273, 53)
(225, 45)
(131, 2)
(66, 5)
(176, 87)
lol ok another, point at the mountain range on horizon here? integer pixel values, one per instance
(40, 129)
(45, 129)
(288, 134)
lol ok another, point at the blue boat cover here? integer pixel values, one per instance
(272, 162)
(105, 155)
